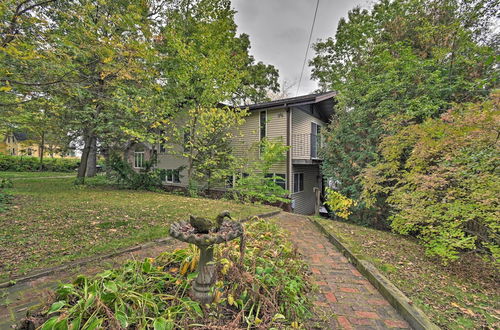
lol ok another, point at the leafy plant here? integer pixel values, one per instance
(260, 184)
(338, 203)
(395, 65)
(148, 177)
(269, 289)
(441, 180)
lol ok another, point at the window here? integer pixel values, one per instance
(229, 181)
(162, 148)
(298, 182)
(263, 124)
(30, 151)
(279, 179)
(315, 139)
(173, 176)
(139, 159)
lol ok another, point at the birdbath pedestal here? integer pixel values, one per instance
(206, 269)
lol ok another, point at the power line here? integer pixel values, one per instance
(307, 49)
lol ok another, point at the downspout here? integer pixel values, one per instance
(289, 152)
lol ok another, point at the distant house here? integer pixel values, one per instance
(297, 121)
(19, 144)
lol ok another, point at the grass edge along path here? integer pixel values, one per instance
(454, 296)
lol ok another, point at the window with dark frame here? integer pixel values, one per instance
(229, 181)
(279, 179)
(263, 128)
(263, 124)
(298, 182)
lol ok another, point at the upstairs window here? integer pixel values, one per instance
(263, 124)
(262, 129)
(139, 159)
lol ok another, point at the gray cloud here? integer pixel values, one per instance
(279, 30)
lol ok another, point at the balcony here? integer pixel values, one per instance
(305, 148)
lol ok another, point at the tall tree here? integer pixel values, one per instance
(395, 65)
(204, 62)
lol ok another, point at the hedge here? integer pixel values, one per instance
(29, 164)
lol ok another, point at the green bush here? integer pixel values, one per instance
(442, 181)
(260, 184)
(121, 172)
(31, 164)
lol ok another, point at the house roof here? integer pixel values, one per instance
(323, 103)
(20, 136)
(293, 101)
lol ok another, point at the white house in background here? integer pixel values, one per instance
(297, 121)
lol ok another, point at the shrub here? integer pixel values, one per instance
(260, 184)
(31, 164)
(338, 203)
(270, 289)
(148, 178)
(442, 181)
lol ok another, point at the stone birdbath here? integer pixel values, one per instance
(205, 234)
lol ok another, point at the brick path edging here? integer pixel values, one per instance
(412, 314)
(81, 262)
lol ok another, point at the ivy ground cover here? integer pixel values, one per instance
(51, 221)
(462, 295)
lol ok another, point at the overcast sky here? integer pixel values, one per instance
(279, 31)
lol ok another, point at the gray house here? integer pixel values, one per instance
(297, 122)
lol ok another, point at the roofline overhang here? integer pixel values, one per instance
(291, 102)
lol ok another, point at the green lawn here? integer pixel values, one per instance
(462, 295)
(52, 221)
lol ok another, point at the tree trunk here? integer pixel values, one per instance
(92, 158)
(41, 151)
(82, 169)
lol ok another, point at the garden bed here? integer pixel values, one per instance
(269, 289)
(463, 294)
(52, 221)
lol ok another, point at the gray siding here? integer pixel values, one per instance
(304, 201)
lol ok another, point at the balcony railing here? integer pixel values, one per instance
(305, 146)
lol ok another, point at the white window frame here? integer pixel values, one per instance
(172, 180)
(137, 153)
(294, 180)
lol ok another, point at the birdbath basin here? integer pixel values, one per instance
(185, 232)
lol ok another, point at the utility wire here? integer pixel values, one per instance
(307, 49)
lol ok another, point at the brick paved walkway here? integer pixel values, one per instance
(346, 298)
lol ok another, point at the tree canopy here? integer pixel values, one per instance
(396, 65)
(112, 71)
